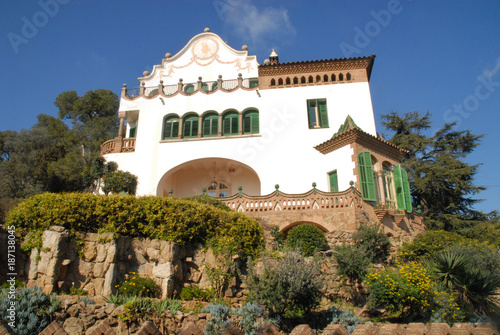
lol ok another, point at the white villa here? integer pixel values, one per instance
(212, 119)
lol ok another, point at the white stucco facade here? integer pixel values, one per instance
(280, 152)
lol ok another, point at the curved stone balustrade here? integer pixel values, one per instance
(118, 145)
(279, 201)
(203, 87)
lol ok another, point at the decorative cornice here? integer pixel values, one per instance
(318, 66)
(350, 133)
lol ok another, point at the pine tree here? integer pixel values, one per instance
(441, 182)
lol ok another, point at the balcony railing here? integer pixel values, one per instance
(118, 145)
(206, 87)
(279, 201)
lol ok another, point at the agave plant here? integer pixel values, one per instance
(476, 289)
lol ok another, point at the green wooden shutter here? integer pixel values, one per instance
(323, 114)
(255, 123)
(215, 126)
(366, 176)
(334, 184)
(398, 185)
(311, 114)
(206, 127)
(406, 188)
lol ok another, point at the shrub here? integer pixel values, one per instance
(196, 293)
(352, 263)
(219, 317)
(372, 242)
(289, 285)
(409, 289)
(205, 199)
(308, 238)
(345, 318)
(139, 285)
(34, 309)
(445, 308)
(163, 218)
(119, 182)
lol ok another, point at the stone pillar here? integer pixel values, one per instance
(200, 125)
(124, 91)
(240, 123)
(120, 129)
(181, 124)
(220, 125)
(240, 80)
(142, 88)
(380, 181)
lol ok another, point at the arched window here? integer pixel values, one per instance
(273, 82)
(280, 81)
(295, 80)
(311, 80)
(318, 78)
(211, 125)
(204, 87)
(341, 77)
(189, 88)
(218, 189)
(251, 122)
(333, 77)
(388, 183)
(190, 126)
(303, 80)
(325, 78)
(348, 76)
(170, 127)
(230, 123)
(288, 82)
(214, 86)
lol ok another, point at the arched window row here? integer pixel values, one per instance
(310, 79)
(210, 124)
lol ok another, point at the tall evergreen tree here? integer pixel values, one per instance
(440, 179)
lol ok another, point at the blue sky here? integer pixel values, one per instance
(436, 56)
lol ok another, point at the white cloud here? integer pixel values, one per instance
(494, 71)
(260, 26)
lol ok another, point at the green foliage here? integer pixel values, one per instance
(77, 291)
(409, 289)
(170, 219)
(119, 182)
(219, 317)
(249, 318)
(139, 285)
(308, 238)
(440, 179)
(205, 199)
(87, 301)
(433, 242)
(17, 284)
(33, 309)
(345, 318)
(218, 278)
(351, 262)
(476, 288)
(445, 308)
(372, 242)
(196, 293)
(287, 285)
(371, 245)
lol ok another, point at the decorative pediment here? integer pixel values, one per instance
(206, 55)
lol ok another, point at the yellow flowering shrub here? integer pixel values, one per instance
(405, 290)
(140, 285)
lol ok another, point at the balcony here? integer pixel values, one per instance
(118, 145)
(203, 87)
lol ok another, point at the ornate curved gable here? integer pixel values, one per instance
(206, 55)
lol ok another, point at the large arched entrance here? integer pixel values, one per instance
(220, 177)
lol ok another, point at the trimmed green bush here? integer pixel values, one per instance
(307, 238)
(177, 220)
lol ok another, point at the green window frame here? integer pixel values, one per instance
(402, 186)
(365, 172)
(253, 82)
(210, 125)
(251, 122)
(132, 132)
(230, 123)
(190, 126)
(170, 127)
(317, 113)
(334, 182)
(189, 88)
